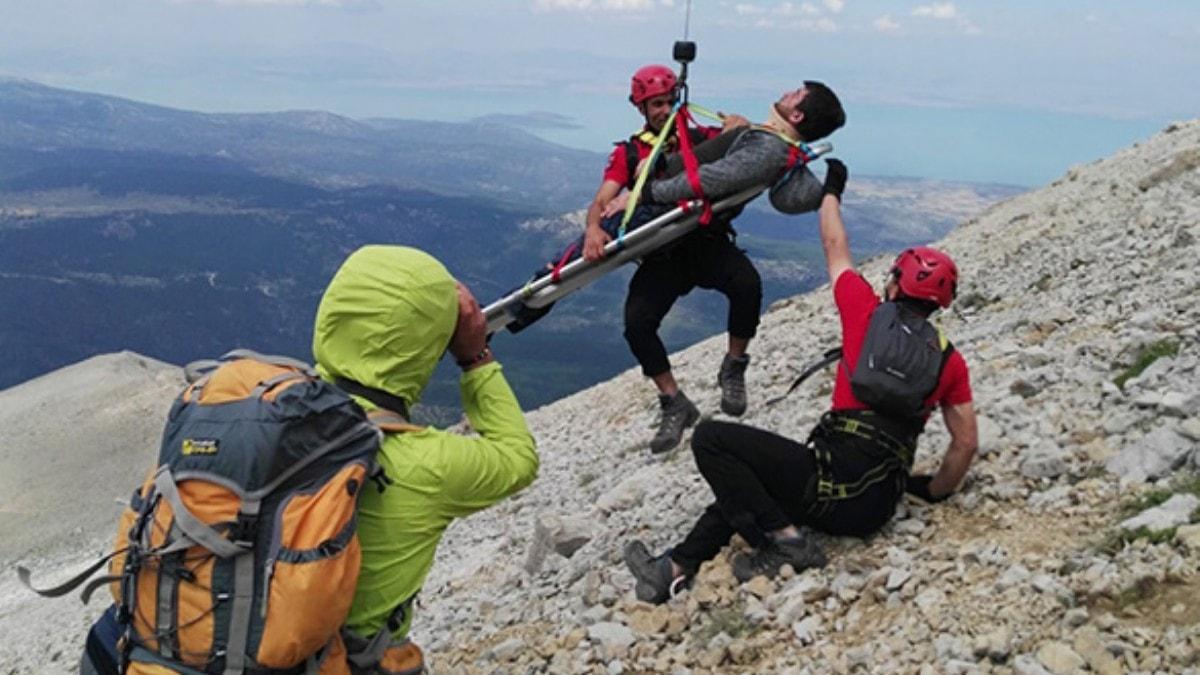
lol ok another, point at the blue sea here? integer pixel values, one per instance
(1023, 147)
(1016, 147)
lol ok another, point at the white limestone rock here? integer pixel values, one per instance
(1171, 513)
(1150, 456)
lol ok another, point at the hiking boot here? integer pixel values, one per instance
(801, 553)
(678, 413)
(655, 582)
(732, 380)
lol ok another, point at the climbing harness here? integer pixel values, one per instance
(895, 464)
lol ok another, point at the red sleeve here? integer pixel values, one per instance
(855, 301)
(955, 386)
(618, 168)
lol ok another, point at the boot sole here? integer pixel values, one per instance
(731, 411)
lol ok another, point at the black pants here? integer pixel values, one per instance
(704, 259)
(765, 482)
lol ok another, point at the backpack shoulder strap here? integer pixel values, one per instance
(947, 352)
(631, 160)
(391, 422)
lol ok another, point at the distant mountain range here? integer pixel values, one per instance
(181, 234)
(481, 159)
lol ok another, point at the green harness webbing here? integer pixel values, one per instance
(899, 459)
(636, 193)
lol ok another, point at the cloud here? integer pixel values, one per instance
(332, 4)
(937, 10)
(782, 9)
(788, 16)
(885, 24)
(614, 5)
(947, 11)
(821, 25)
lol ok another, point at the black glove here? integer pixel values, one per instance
(835, 178)
(918, 486)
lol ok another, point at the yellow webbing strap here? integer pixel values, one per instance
(636, 193)
(827, 489)
(646, 136)
(705, 112)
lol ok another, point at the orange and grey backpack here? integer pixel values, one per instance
(239, 554)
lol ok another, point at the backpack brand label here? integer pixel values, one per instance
(199, 446)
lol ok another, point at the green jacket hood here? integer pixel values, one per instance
(385, 320)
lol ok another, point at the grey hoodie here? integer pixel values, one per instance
(737, 160)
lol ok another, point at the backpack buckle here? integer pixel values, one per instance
(245, 528)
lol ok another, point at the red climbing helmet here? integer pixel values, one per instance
(651, 81)
(927, 274)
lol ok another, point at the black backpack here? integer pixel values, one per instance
(900, 363)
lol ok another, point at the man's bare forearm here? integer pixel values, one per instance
(953, 469)
(833, 237)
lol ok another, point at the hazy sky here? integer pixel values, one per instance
(1012, 91)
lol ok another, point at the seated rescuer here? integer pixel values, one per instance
(709, 258)
(385, 320)
(768, 487)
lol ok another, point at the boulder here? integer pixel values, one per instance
(1189, 537)
(1059, 658)
(1171, 513)
(1151, 456)
(1044, 460)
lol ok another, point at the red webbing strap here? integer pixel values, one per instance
(796, 156)
(793, 158)
(690, 164)
(556, 273)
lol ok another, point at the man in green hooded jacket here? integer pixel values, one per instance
(384, 322)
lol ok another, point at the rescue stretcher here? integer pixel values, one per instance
(653, 235)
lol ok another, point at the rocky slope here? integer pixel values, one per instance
(1027, 570)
